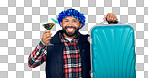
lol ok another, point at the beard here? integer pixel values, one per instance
(70, 34)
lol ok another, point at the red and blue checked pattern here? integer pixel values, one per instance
(38, 56)
(72, 59)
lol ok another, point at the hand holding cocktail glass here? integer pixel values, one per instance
(47, 33)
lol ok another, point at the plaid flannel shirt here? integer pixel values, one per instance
(71, 57)
(38, 56)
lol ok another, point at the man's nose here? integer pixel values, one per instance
(70, 23)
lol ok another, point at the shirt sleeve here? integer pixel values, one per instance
(89, 39)
(38, 56)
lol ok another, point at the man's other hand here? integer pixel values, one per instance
(110, 17)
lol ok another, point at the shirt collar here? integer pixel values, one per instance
(63, 39)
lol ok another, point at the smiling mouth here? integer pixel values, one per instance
(70, 29)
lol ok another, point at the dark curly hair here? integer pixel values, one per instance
(73, 13)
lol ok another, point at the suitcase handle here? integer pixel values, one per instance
(116, 22)
(111, 22)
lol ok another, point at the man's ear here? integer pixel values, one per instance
(80, 25)
(61, 23)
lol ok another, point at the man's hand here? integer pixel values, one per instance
(46, 36)
(110, 17)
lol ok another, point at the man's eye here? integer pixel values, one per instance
(75, 21)
(65, 21)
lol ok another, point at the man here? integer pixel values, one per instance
(67, 53)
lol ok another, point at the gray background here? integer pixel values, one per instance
(21, 29)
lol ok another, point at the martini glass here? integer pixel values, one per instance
(49, 26)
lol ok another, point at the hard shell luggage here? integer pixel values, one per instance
(113, 51)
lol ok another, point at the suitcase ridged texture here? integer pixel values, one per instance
(113, 52)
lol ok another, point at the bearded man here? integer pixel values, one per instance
(67, 53)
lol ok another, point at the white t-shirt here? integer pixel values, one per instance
(69, 39)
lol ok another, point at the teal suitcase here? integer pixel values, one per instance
(113, 51)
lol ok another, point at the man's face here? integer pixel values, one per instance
(70, 25)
